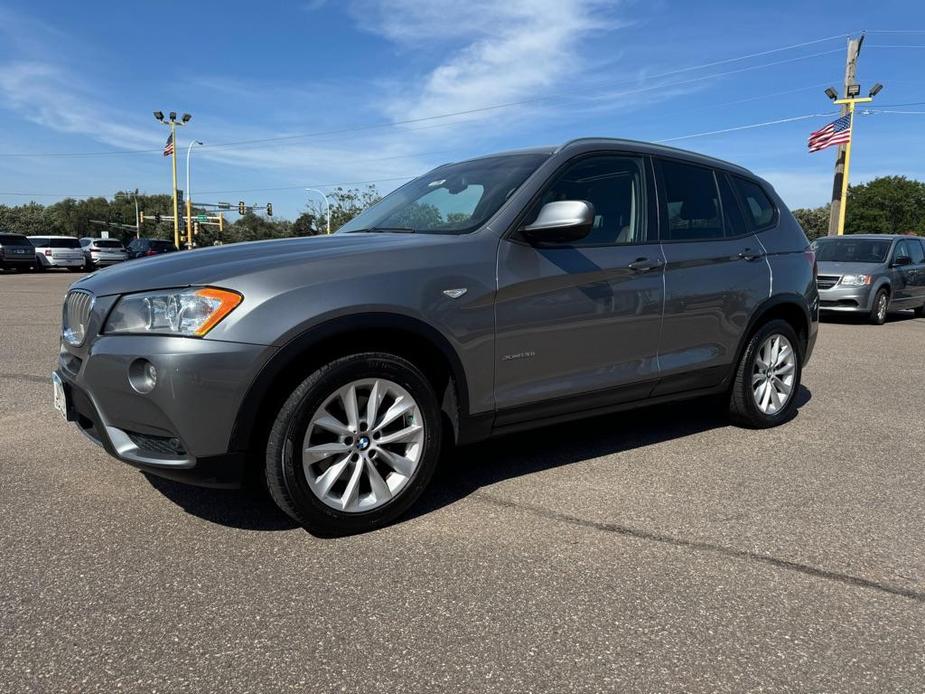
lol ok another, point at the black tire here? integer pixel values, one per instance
(286, 481)
(77, 269)
(879, 307)
(743, 409)
(920, 312)
(39, 267)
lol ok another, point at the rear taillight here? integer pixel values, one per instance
(810, 256)
(48, 252)
(150, 252)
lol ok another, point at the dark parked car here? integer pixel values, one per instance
(871, 274)
(16, 252)
(140, 248)
(487, 296)
(99, 252)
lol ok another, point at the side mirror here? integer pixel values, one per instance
(561, 222)
(901, 260)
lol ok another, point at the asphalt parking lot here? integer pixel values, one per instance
(659, 550)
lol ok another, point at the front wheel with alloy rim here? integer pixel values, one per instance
(355, 444)
(767, 379)
(879, 308)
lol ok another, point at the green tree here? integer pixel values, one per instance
(814, 220)
(890, 204)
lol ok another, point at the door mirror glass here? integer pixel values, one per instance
(902, 260)
(561, 221)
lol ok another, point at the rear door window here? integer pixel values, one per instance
(732, 213)
(691, 202)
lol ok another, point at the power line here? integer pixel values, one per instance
(483, 109)
(746, 127)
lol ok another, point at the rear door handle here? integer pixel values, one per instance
(645, 264)
(750, 255)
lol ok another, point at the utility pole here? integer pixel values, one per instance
(839, 184)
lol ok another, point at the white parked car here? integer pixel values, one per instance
(58, 251)
(102, 252)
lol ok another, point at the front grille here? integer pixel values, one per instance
(827, 281)
(77, 308)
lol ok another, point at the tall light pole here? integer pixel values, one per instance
(172, 143)
(189, 198)
(327, 205)
(137, 218)
(852, 92)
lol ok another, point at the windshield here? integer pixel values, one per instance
(846, 250)
(107, 243)
(453, 199)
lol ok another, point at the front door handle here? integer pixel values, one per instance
(645, 264)
(749, 255)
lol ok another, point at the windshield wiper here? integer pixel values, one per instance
(373, 230)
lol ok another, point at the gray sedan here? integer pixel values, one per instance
(871, 274)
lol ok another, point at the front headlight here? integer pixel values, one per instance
(855, 280)
(191, 312)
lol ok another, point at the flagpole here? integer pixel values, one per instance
(176, 209)
(840, 230)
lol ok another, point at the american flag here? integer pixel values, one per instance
(168, 148)
(838, 132)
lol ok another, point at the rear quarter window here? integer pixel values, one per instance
(758, 206)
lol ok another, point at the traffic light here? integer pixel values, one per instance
(269, 209)
(157, 217)
(242, 208)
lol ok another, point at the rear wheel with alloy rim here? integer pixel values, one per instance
(768, 377)
(879, 308)
(354, 445)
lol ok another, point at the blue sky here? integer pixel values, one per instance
(335, 83)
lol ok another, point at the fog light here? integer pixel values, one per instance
(142, 376)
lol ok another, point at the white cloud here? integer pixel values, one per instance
(500, 52)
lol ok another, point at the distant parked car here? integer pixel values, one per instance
(100, 252)
(871, 274)
(57, 251)
(139, 248)
(16, 252)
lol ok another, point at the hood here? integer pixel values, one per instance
(222, 264)
(829, 267)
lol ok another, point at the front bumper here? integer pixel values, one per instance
(182, 428)
(846, 299)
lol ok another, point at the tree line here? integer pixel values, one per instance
(885, 205)
(890, 204)
(90, 216)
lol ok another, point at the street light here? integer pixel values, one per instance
(172, 124)
(875, 90)
(831, 93)
(189, 195)
(327, 205)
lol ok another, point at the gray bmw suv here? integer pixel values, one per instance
(488, 296)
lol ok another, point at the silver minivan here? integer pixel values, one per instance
(871, 274)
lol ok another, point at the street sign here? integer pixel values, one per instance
(201, 218)
(224, 205)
